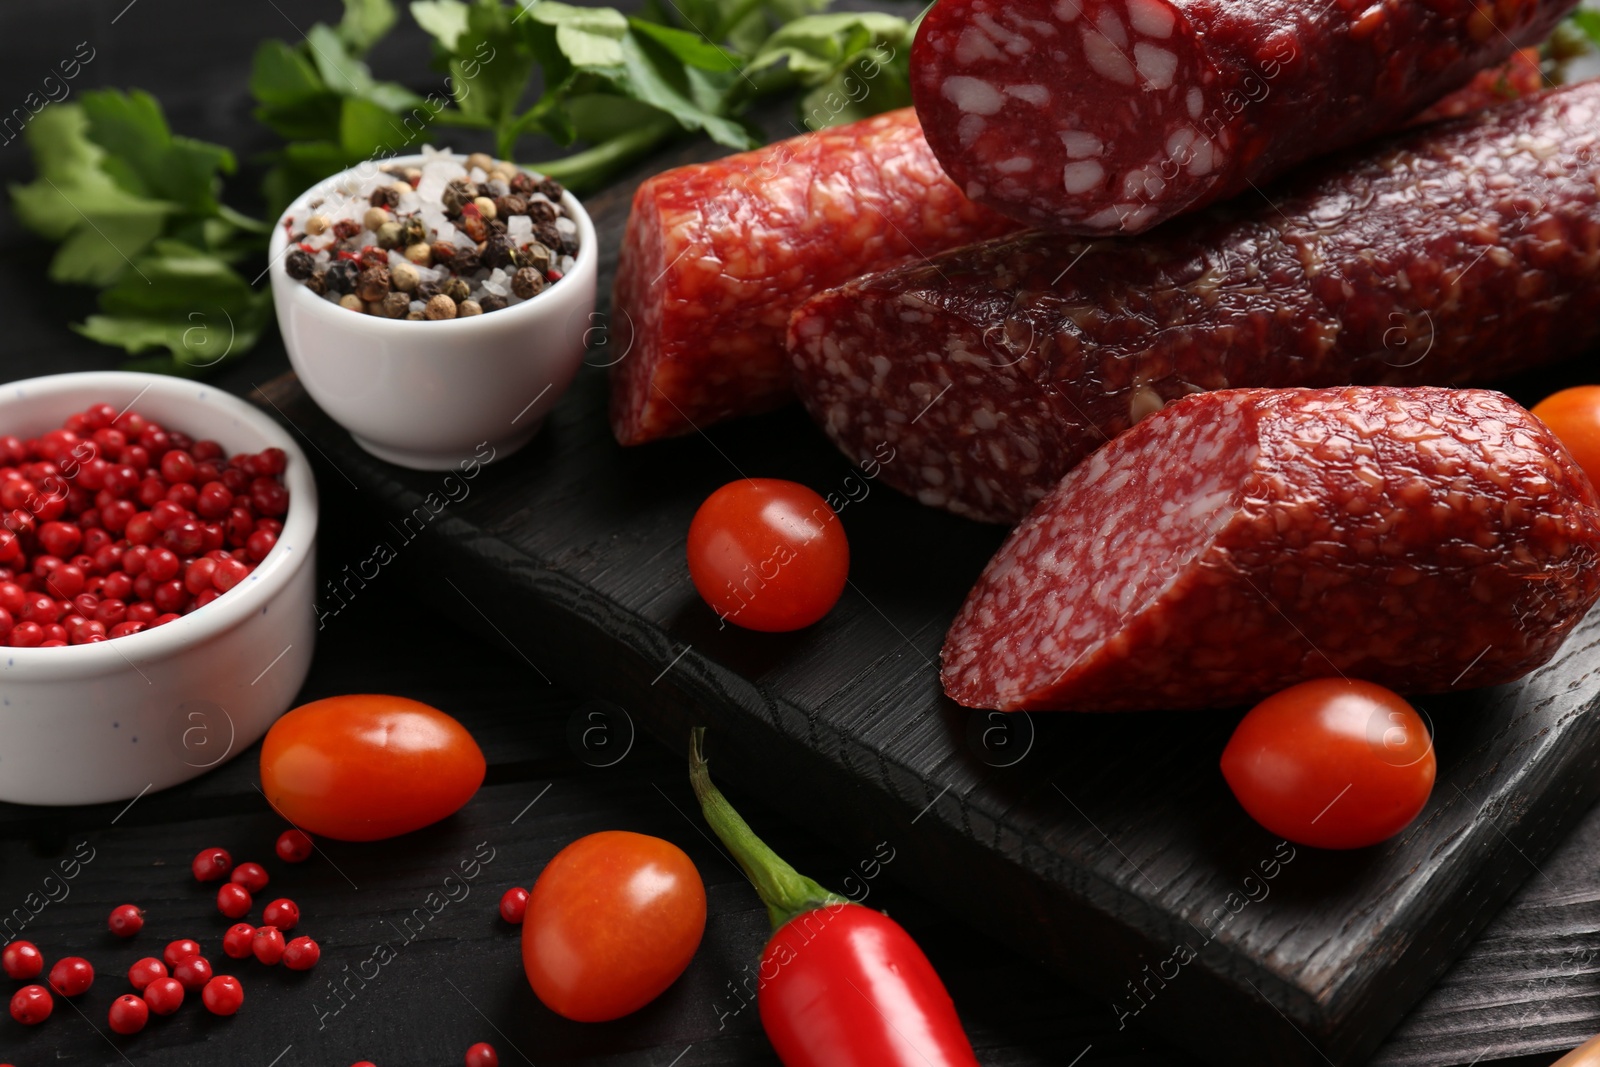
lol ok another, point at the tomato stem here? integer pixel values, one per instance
(785, 891)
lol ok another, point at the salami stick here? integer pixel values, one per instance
(1456, 254)
(1245, 540)
(1109, 116)
(717, 255)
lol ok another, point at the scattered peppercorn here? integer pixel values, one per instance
(341, 276)
(404, 277)
(498, 251)
(440, 307)
(374, 284)
(547, 234)
(473, 225)
(300, 264)
(390, 234)
(527, 283)
(456, 193)
(535, 255)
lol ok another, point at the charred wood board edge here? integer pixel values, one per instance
(1101, 934)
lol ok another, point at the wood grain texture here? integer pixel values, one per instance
(1112, 848)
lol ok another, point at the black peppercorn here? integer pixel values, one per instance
(493, 302)
(425, 291)
(507, 206)
(300, 264)
(467, 262)
(547, 234)
(341, 276)
(522, 184)
(318, 282)
(386, 196)
(498, 251)
(541, 211)
(549, 187)
(527, 282)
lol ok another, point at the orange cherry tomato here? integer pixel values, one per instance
(768, 554)
(1331, 763)
(366, 767)
(1574, 416)
(611, 923)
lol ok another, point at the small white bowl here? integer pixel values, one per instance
(108, 721)
(427, 395)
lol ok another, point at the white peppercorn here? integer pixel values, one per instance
(317, 225)
(468, 308)
(441, 307)
(404, 277)
(352, 302)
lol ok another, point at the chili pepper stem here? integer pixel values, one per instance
(785, 891)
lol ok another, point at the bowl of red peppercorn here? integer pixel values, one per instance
(436, 306)
(157, 581)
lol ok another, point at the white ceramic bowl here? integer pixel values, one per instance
(92, 723)
(427, 394)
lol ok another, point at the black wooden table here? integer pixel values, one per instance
(1528, 986)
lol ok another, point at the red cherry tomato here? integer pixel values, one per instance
(611, 923)
(1574, 416)
(362, 768)
(1331, 763)
(768, 555)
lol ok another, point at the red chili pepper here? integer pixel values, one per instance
(840, 985)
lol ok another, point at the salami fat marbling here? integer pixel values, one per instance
(1242, 541)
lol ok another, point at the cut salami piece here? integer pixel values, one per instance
(1241, 541)
(717, 255)
(1109, 116)
(1459, 253)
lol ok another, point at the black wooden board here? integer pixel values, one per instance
(1108, 846)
